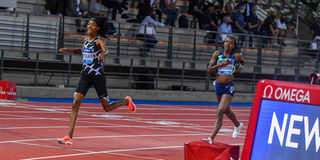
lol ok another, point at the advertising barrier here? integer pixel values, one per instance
(8, 90)
(199, 150)
(284, 122)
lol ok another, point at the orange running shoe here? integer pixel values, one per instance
(131, 105)
(65, 140)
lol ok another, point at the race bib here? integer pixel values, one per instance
(228, 69)
(88, 55)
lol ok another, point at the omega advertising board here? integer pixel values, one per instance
(284, 122)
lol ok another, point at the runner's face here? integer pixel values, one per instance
(92, 27)
(229, 44)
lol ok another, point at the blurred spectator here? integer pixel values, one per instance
(314, 46)
(9, 5)
(82, 8)
(218, 4)
(144, 10)
(219, 10)
(206, 4)
(194, 9)
(229, 8)
(183, 21)
(70, 8)
(210, 21)
(253, 25)
(116, 6)
(54, 7)
(155, 5)
(282, 27)
(316, 29)
(291, 27)
(239, 24)
(147, 33)
(94, 8)
(225, 29)
(133, 3)
(314, 50)
(269, 28)
(168, 7)
(124, 4)
(247, 8)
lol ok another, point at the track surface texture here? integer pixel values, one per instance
(29, 131)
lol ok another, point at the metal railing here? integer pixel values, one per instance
(28, 33)
(133, 77)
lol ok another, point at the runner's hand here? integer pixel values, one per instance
(101, 57)
(225, 63)
(63, 50)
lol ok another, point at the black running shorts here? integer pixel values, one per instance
(99, 83)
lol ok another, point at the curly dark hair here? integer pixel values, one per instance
(103, 24)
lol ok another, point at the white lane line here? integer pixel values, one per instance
(37, 127)
(36, 118)
(118, 113)
(118, 136)
(197, 120)
(26, 112)
(237, 144)
(127, 155)
(47, 146)
(176, 114)
(150, 107)
(116, 126)
(156, 128)
(6, 104)
(85, 151)
(99, 152)
(135, 120)
(193, 126)
(63, 119)
(98, 105)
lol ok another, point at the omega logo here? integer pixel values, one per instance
(286, 94)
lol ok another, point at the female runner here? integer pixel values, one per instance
(225, 63)
(93, 51)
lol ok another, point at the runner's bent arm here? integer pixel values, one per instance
(212, 64)
(64, 50)
(70, 50)
(103, 49)
(239, 58)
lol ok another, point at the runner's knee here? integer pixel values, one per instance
(221, 111)
(77, 99)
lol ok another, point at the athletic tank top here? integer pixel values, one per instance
(227, 69)
(90, 52)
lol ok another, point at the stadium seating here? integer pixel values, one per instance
(43, 41)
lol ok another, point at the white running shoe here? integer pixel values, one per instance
(209, 140)
(236, 130)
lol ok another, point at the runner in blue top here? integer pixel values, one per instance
(225, 63)
(93, 51)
